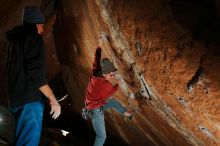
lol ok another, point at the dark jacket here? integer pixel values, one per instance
(25, 69)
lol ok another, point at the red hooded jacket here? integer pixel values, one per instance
(98, 89)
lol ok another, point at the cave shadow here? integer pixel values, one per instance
(67, 45)
(200, 17)
(80, 130)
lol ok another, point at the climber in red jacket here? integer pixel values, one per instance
(101, 87)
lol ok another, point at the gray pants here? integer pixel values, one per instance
(98, 122)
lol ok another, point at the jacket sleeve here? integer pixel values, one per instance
(96, 64)
(34, 57)
(110, 90)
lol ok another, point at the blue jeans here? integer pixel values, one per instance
(98, 122)
(28, 119)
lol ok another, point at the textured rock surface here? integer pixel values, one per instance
(165, 50)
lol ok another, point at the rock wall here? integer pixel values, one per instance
(167, 56)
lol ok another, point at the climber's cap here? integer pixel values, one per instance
(107, 66)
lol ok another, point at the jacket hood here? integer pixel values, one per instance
(19, 32)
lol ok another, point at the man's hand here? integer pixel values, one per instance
(103, 39)
(103, 36)
(55, 108)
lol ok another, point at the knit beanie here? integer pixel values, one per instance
(32, 15)
(107, 66)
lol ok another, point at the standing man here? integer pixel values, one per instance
(102, 85)
(26, 78)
